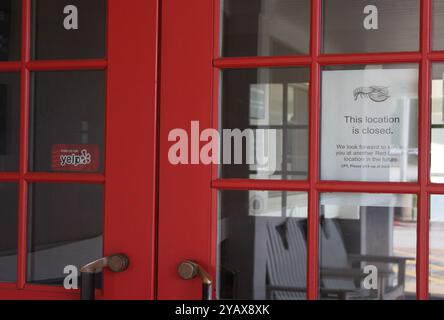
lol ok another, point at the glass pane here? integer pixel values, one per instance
(360, 26)
(438, 25)
(10, 29)
(262, 245)
(65, 228)
(370, 123)
(8, 231)
(265, 27)
(9, 121)
(437, 148)
(68, 29)
(67, 121)
(265, 123)
(367, 246)
(436, 263)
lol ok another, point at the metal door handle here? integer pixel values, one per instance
(189, 270)
(116, 263)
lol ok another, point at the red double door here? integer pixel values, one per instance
(91, 108)
(90, 177)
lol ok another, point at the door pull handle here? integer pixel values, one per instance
(115, 263)
(189, 270)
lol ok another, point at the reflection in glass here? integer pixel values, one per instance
(10, 29)
(56, 36)
(67, 121)
(262, 245)
(437, 148)
(265, 27)
(370, 123)
(64, 228)
(360, 26)
(270, 106)
(436, 243)
(367, 246)
(9, 121)
(8, 231)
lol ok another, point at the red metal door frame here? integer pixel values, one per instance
(187, 194)
(185, 220)
(130, 165)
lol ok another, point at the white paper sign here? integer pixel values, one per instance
(370, 125)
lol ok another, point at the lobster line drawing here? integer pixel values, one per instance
(374, 93)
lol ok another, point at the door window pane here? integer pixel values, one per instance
(438, 25)
(367, 246)
(370, 123)
(360, 26)
(10, 29)
(9, 121)
(436, 243)
(67, 124)
(265, 27)
(437, 148)
(69, 29)
(262, 245)
(269, 107)
(8, 231)
(65, 228)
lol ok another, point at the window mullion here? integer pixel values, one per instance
(24, 116)
(424, 150)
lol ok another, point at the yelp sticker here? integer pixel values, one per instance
(77, 158)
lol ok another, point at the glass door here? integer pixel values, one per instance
(343, 100)
(71, 104)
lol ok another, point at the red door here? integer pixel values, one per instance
(185, 196)
(78, 92)
(323, 75)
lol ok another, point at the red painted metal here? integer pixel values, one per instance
(29, 294)
(11, 286)
(66, 65)
(215, 124)
(185, 196)
(32, 177)
(367, 187)
(435, 188)
(24, 119)
(369, 58)
(314, 138)
(40, 292)
(256, 62)
(424, 151)
(130, 167)
(9, 176)
(8, 66)
(327, 59)
(436, 56)
(245, 184)
(43, 288)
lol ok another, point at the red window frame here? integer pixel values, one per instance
(314, 185)
(130, 129)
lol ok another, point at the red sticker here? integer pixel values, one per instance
(75, 157)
